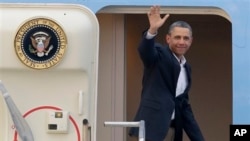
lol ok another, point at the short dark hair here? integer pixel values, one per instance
(180, 24)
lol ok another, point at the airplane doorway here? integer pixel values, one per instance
(211, 59)
(120, 69)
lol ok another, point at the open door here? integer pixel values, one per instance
(48, 63)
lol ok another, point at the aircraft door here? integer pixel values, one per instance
(48, 64)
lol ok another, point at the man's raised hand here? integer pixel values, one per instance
(155, 19)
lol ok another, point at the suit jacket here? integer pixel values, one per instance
(158, 100)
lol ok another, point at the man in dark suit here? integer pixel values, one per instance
(164, 104)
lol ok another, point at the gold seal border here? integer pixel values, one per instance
(43, 22)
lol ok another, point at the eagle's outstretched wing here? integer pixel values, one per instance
(46, 42)
(33, 42)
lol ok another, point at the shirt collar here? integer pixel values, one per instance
(182, 60)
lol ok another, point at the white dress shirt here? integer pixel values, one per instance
(182, 79)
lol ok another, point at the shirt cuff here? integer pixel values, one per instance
(150, 36)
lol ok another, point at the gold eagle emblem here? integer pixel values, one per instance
(40, 42)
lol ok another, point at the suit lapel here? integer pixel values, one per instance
(188, 70)
(176, 72)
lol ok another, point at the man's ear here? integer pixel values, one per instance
(191, 40)
(167, 38)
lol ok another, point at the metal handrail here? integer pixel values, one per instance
(140, 124)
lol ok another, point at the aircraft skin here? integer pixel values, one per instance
(238, 15)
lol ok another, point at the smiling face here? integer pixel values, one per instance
(179, 40)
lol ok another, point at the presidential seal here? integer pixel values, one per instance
(40, 43)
